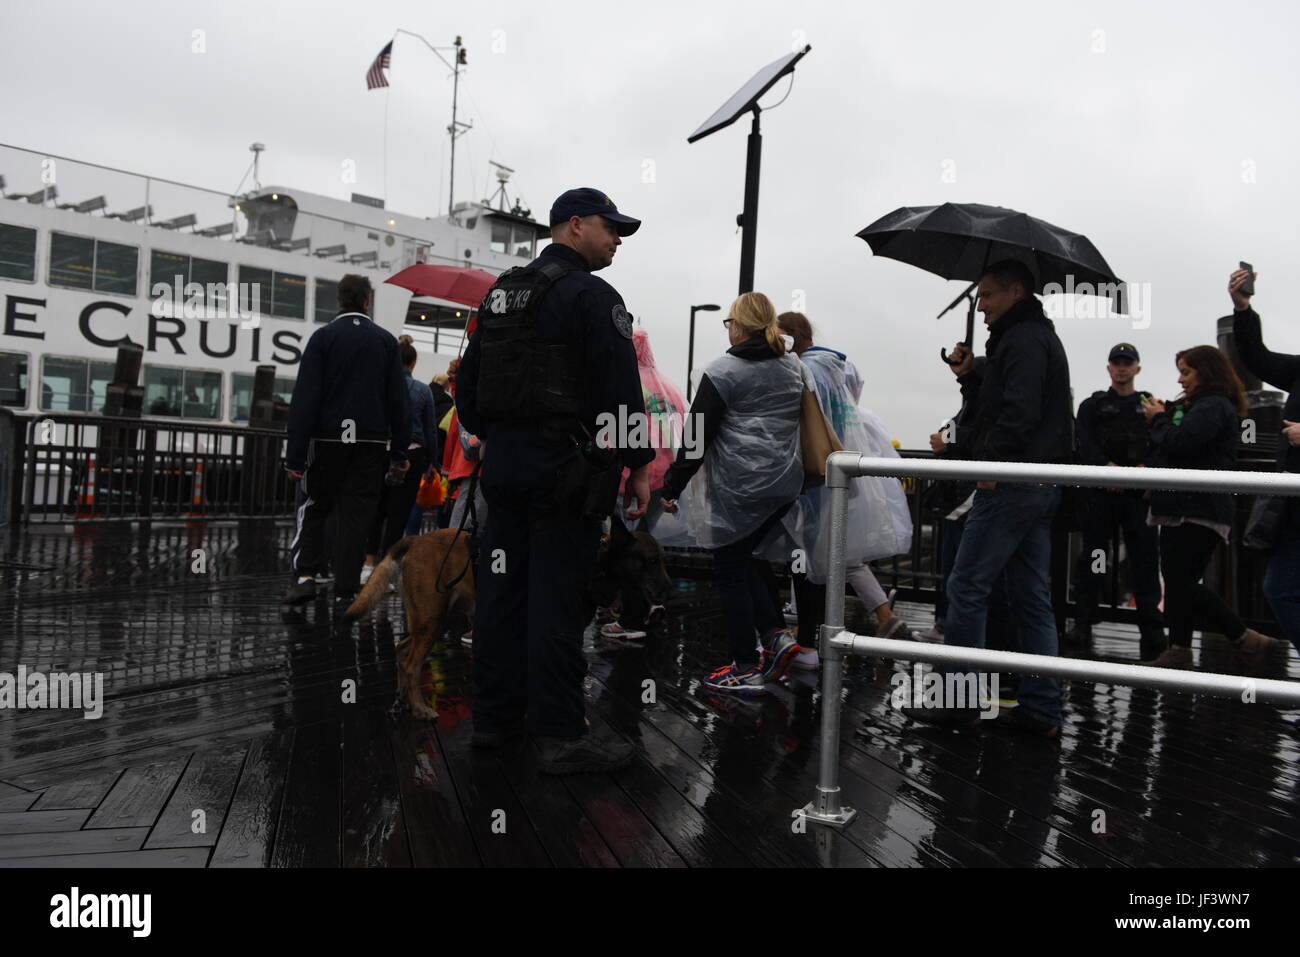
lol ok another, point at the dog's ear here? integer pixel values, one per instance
(619, 536)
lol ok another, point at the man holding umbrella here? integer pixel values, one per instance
(1025, 415)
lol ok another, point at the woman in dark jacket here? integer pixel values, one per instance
(1199, 431)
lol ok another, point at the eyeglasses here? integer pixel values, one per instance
(726, 323)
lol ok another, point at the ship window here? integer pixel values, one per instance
(13, 379)
(500, 236)
(279, 293)
(327, 300)
(241, 397)
(289, 296)
(17, 252)
(115, 267)
(72, 261)
(209, 272)
(74, 385)
(164, 267)
(253, 279)
(184, 393)
(81, 263)
(523, 242)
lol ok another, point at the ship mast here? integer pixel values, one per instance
(457, 128)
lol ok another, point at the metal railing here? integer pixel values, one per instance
(101, 468)
(835, 641)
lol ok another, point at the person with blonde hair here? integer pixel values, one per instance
(749, 474)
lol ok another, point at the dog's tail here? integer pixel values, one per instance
(377, 584)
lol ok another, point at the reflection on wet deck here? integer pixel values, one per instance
(218, 701)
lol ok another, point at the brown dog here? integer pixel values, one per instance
(429, 564)
(629, 569)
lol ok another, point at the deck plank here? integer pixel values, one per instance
(97, 841)
(309, 833)
(86, 791)
(248, 834)
(139, 795)
(207, 785)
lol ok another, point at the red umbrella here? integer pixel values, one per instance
(453, 283)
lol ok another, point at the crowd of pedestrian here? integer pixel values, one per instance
(365, 435)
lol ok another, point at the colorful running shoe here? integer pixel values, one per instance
(616, 631)
(779, 650)
(734, 681)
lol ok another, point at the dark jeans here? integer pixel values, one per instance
(1282, 581)
(1101, 512)
(394, 508)
(1008, 529)
(343, 477)
(748, 609)
(1185, 550)
(533, 602)
(1000, 626)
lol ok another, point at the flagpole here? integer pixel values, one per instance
(454, 130)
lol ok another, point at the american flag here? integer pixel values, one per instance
(375, 75)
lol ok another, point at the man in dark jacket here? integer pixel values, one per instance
(1113, 431)
(1024, 415)
(552, 352)
(1282, 371)
(349, 421)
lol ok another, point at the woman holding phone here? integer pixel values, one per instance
(1198, 431)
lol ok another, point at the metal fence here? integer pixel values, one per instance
(97, 468)
(836, 642)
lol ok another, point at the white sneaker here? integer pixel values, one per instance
(789, 614)
(365, 573)
(323, 579)
(614, 630)
(933, 634)
(806, 660)
(467, 639)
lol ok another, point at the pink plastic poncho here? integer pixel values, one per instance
(662, 398)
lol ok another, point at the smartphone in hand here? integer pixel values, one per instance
(1248, 287)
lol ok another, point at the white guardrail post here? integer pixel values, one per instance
(835, 642)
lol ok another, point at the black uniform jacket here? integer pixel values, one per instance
(579, 309)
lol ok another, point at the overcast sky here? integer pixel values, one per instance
(1165, 132)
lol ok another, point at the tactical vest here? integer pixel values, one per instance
(522, 377)
(1122, 430)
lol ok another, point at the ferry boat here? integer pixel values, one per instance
(92, 256)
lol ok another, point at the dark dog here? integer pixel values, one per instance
(437, 579)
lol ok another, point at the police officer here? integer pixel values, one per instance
(552, 352)
(1112, 430)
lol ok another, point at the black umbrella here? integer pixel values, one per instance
(960, 240)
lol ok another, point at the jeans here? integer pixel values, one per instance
(1282, 581)
(1000, 631)
(1009, 529)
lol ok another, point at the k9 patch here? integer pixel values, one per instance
(622, 321)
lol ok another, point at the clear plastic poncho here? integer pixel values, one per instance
(754, 464)
(879, 520)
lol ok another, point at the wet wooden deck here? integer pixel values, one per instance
(226, 742)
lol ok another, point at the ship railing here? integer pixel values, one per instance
(835, 641)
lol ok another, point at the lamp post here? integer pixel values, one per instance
(690, 349)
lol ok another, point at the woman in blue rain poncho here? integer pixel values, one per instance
(879, 521)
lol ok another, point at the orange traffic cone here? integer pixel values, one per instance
(196, 500)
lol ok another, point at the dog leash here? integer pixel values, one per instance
(469, 515)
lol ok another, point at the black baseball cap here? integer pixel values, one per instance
(591, 202)
(1124, 350)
